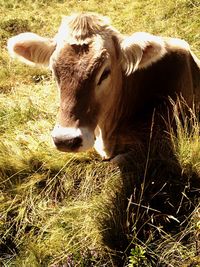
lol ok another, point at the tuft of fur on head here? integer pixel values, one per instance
(79, 28)
(140, 50)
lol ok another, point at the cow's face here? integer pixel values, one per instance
(85, 75)
(87, 58)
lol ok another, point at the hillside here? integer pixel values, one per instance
(59, 209)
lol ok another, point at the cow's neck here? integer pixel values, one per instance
(108, 131)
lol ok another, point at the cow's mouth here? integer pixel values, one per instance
(69, 145)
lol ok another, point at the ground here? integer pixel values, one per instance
(61, 209)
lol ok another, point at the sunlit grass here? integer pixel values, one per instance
(187, 140)
(54, 213)
(58, 208)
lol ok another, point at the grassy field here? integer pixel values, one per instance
(71, 210)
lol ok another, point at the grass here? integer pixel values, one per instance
(74, 210)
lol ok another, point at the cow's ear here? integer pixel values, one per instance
(141, 50)
(31, 48)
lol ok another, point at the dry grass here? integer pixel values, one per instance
(67, 210)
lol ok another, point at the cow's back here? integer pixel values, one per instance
(176, 74)
(147, 97)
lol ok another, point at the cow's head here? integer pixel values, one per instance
(88, 59)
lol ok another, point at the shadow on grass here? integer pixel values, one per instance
(141, 209)
(152, 210)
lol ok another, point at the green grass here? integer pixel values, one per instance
(61, 209)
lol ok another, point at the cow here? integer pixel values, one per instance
(110, 84)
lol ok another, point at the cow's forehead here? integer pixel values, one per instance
(84, 58)
(80, 28)
(84, 42)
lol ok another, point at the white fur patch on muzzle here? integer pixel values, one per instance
(71, 139)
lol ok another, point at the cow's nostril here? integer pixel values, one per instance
(68, 144)
(74, 143)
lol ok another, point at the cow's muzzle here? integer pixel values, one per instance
(72, 144)
(68, 139)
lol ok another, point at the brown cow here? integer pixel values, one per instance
(110, 84)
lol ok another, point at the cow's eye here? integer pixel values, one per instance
(104, 75)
